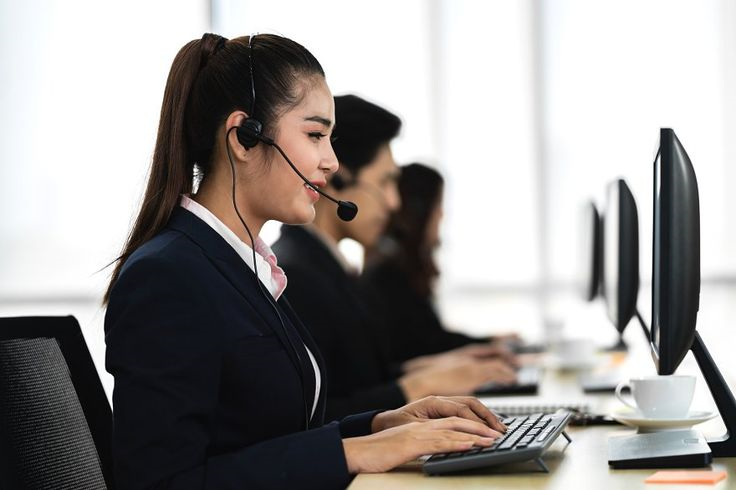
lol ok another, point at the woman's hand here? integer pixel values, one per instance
(494, 349)
(497, 348)
(461, 377)
(389, 448)
(436, 407)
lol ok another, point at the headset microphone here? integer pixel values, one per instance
(249, 134)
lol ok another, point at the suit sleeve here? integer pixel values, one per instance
(381, 396)
(357, 425)
(166, 362)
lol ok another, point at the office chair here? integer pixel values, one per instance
(55, 420)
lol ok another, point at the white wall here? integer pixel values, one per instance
(614, 73)
(82, 89)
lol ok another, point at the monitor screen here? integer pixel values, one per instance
(589, 252)
(656, 249)
(620, 254)
(675, 254)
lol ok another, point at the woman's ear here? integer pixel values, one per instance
(235, 120)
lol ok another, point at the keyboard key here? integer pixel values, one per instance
(546, 433)
(509, 443)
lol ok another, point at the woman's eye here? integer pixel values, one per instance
(317, 135)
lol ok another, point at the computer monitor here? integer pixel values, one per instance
(620, 278)
(676, 280)
(589, 252)
(675, 254)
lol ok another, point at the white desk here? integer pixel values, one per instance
(581, 464)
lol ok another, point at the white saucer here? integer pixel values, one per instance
(634, 418)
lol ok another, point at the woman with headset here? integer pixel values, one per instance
(217, 382)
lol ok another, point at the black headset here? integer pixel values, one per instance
(249, 134)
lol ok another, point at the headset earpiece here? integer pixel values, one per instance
(249, 133)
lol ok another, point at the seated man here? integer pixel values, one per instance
(348, 331)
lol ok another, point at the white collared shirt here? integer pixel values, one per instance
(269, 273)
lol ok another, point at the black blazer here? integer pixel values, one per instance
(329, 303)
(413, 326)
(207, 390)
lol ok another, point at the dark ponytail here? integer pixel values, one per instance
(208, 80)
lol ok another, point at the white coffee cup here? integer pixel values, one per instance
(660, 397)
(574, 353)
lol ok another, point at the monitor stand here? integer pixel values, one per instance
(682, 448)
(668, 449)
(724, 445)
(644, 327)
(619, 346)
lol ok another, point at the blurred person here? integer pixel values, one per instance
(401, 272)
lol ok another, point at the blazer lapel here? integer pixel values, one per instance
(309, 342)
(231, 266)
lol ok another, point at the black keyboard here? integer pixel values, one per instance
(527, 383)
(526, 439)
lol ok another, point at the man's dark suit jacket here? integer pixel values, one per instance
(208, 393)
(329, 303)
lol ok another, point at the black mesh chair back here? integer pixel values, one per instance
(55, 420)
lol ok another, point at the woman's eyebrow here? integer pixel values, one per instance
(319, 119)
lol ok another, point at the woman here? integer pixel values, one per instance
(401, 274)
(217, 382)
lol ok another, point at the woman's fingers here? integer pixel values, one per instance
(481, 412)
(459, 424)
(470, 408)
(435, 439)
(467, 407)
